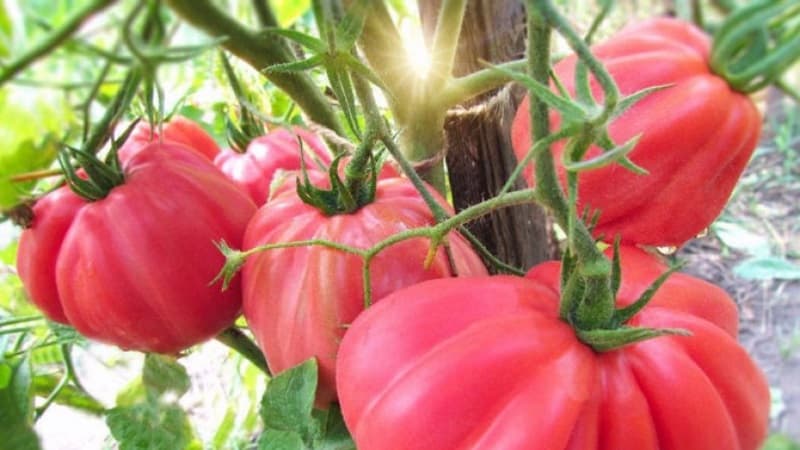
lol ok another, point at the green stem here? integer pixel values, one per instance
(445, 41)
(381, 43)
(260, 51)
(266, 18)
(461, 89)
(71, 26)
(238, 341)
(592, 265)
(102, 130)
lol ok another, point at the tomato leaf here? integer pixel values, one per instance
(288, 11)
(289, 400)
(768, 268)
(280, 440)
(163, 374)
(151, 425)
(780, 442)
(290, 420)
(15, 407)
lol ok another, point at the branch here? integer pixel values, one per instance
(260, 52)
(445, 39)
(383, 48)
(54, 40)
(464, 88)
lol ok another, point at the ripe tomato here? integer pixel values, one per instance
(697, 136)
(178, 130)
(254, 169)
(299, 301)
(133, 268)
(485, 363)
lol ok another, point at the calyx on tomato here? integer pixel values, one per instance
(696, 136)
(300, 300)
(486, 363)
(132, 267)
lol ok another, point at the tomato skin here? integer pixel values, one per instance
(39, 246)
(179, 130)
(299, 301)
(133, 269)
(279, 149)
(485, 363)
(697, 136)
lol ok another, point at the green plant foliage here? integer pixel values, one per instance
(144, 419)
(28, 127)
(780, 442)
(162, 374)
(150, 426)
(768, 268)
(290, 420)
(15, 406)
(288, 11)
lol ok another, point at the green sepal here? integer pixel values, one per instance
(603, 340)
(617, 154)
(340, 199)
(234, 260)
(623, 315)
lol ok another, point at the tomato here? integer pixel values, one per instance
(299, 301)
(485, 363)
(178, 130)
(133, 268)
(696, 136)
(254, 169)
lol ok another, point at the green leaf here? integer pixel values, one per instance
(150, 426)
(738, 237)
(335, 435)
(163, 374)
(288, 11)
(290, 420)
(5, 31)
(780, 442)
(289, 400)
(28, 131)
(5, 375)
(349, 29)
(767, 268)
(280, 440)
(312, 43)
(15, 408)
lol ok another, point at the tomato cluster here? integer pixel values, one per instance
(448, 357)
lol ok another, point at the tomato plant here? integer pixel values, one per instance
(134, 234)
(89, 264)
(526, 381)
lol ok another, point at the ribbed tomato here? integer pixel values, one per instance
(279, 149)
(299, 301)
(133, 268)
(178, 130)
(485, 363)
(696, 136)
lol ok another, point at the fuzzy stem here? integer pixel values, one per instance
(445, 41)
(591, 263)
(71, 26)
(260, 52)
(464, 88)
